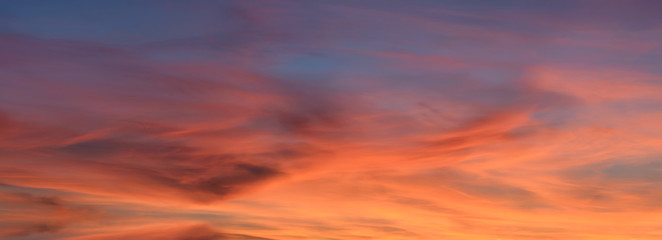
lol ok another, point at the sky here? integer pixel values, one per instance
(330, 120)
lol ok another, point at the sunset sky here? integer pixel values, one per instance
(330, 120)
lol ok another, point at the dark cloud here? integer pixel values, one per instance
(309, 118)
(242, 174)
(615, 185)
(202, 178)
(95, 148)
(42, 214)
(650, 172)
(424, 204)
(617, 171)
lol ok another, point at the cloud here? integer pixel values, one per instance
(182, 232)
(27, 214)
(330, 120)
(177, 169)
